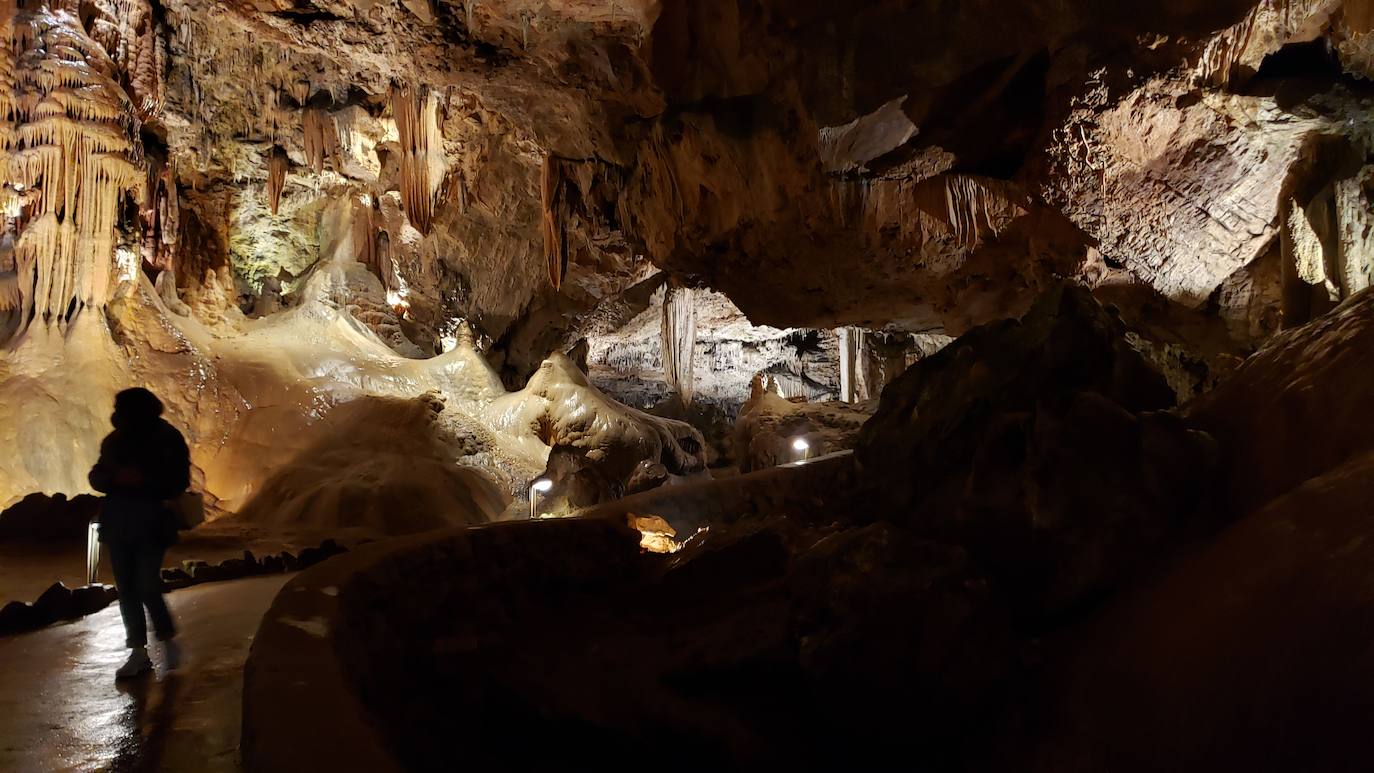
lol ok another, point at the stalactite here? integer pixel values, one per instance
(276, 177)
(321, 138)
(1224, 50)
(128, 31)
(551, 186)
(421, 146)
(160, 215)
(365, 246)
(679, 340)
(970, 207)
(73, 153)
(454, 189)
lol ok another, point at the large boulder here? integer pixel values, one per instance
(43, 517)
(1040, 445)
(578, 480)
(1297, 408)
(881, 617)
(1250, 653)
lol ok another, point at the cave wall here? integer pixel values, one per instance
(541, 172)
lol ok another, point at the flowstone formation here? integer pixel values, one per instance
(72, 163)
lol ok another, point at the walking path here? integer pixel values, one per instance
(61, 710)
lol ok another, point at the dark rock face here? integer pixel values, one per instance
(1297, 409)
(882, 617)
(1260, 637)
(56, 603)
(41, 517)
(647, 475)
(17, 616)
(1039, 445)
(945, 617)
(760, 644)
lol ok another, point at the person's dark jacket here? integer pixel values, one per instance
(143, 464)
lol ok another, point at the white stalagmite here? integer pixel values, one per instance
(679, 341)
(72, 154)
(852, 345)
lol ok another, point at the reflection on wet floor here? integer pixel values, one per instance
(61, 709)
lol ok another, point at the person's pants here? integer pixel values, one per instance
(138, 576)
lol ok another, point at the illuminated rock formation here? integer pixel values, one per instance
(71, 155)
(679, 338)
(422, 151)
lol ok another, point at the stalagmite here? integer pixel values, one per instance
(73, 154)
(855, 373)
(679, 340)
(416, 113)
(276, 177)
(160, 213)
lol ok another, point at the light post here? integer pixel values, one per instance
(541, 486)
(92, 553)
(803, 449)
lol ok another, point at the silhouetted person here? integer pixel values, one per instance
(143, 464)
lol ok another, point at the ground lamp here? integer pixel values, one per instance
(92, 553)
(538, 487)
(803, 449)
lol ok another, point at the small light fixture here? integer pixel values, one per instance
(92, 553)
(541, 486)
(802, 447)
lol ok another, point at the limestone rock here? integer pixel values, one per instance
(882, 616)
(1294, 410)
(578, 481)
(769, 425)
(1037, 444)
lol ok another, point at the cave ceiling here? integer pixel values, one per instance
(911, 165)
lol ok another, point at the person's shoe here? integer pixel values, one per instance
(137, 663)
(171, 654)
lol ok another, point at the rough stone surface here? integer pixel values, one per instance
(1232, 642)
(1294, 410)
(1039, 444)
(769, 425)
